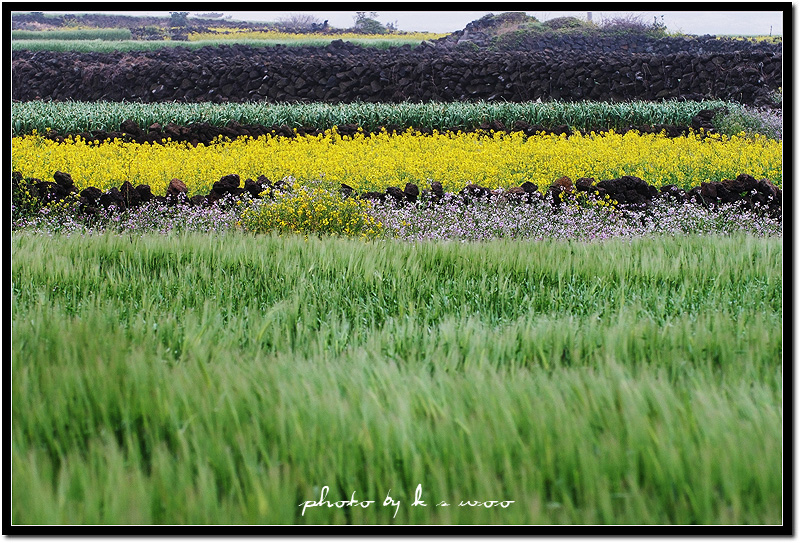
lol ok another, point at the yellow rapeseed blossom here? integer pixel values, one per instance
(365, 162)
(312, 210)
(222, 33)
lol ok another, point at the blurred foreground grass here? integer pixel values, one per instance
(227, 379)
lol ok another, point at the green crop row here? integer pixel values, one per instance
(71, 117)
(228, 379)
(105, 34)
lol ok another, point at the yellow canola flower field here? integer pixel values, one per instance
(223, 33)
(365, 162)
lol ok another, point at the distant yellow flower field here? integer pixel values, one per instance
(247, 34)
(375, 162)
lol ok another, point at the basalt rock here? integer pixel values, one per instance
(198, 200)
(205, 133)
(629, 190)
(743, 183)
(584, 184)
(609, 69)
(64, 180)
(91, 196)
(517, 194)
(374, 196)
(227, 185)
(437, 191)
(411, 192)
(177, 191)
(256, 188)
(130, 195)
(395, 195)
(48, 191)
(672, 192)
(563, 182)
(129, 126)
(145, 194)
(113, 197)
(475, 192)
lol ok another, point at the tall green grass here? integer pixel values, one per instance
(71, 35)
(227, 379)
(86, 116)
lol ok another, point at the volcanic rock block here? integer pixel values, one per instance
(395, 195)
(527, 128)
(559, 186)
(629, 190)
(743, 183)
(176, 189)
(130, 195)
(475, 192)
(766, 188)
(226, 184)
(411, 192)
(673, 192)
(564, 182)
(585, 184)
(437, 191)
(709, 190)
(717, 192)
(113, 197)
(129, 126)
(198, 200)
(373, 196)
(91, 195)
(145, 194)
(48, 191)
(494, 125)
(64, 180)
(694, 196)
(254, 188)
(172, 130)
(515, 194)
(703, 120)
(262, 184)
(282, 185)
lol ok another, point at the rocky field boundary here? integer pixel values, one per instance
(628, 191)
(343, 72)
(206, 133)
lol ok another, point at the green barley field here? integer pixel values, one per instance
(109, 45)
(228, 379)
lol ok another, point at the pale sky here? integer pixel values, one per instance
(690, 22)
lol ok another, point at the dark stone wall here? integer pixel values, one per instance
(343, 72)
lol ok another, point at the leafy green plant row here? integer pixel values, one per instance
(73, 117)
(106, 34)
(125, 44)
(227, 379)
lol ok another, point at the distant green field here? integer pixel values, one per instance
(106, 34)
(107, 46)
(227, 379)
